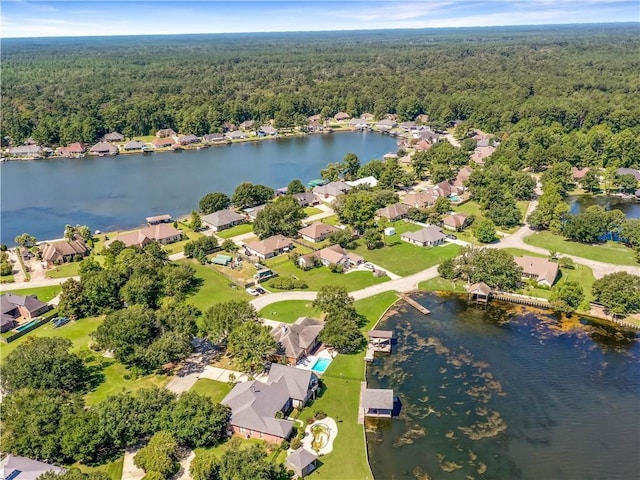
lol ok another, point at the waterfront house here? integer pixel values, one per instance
(188, 139)
(23, 468)
(222, 219)
(131, 239)
(302, 462)
(315, 118)
(254, 404)
(162, 233)
(247, 125)
(368, 116)
(317, 231)
(113, 137)
(393, 212)
(427, 237)
(578, 173)
(166, 132)
(163, 142)
(407, 126)
(267, 130)
(386, 125)
(359, 123)
(25, 306)
(299, 339)
(228, 127)
(331, 190)
(341, 116)
(269, 247)
(420, 199)
(27, 151)
(315, 127)
(103, 148)
(252, 212)
(72, 151)
(306, 199)
(55, 253)
(165, 218)
(541, 270)
(236, 135)
(376, 402)
(369, 181)
(214, 138)
(455, 221)
(133, 145)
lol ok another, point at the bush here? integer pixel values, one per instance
(320, 414)
(336, 268)
(287, 283)
(279, 414)
(310, 420)
(285, 445)
(296, 443)
(566, 262)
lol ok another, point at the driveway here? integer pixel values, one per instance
(33, 284)
(194, 366)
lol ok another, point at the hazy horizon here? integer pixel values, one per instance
(38, 19)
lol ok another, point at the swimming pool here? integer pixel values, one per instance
(27, 325)
(321, 365)
(454, 198)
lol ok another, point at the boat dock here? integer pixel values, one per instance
(521, 299)
(414, 304)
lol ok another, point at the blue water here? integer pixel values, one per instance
(454, 198)
(321, 365)
(27, 325)
(113, 193)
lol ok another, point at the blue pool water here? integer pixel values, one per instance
(321, 365)
(27, 325)
(454, 198)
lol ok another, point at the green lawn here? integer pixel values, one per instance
(289, 311)
(332, 220)
(43, 293)
(235, 231)
(316, 278)
(179, 246)
(340, 401)
(7, 278)
(112, 469)
(439, 284)
(312, 211)
(610, 252)
(211, 388)
(472, 208)
(65, 270)
(403, 258)
(214, 289)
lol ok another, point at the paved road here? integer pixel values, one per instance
(35, 283)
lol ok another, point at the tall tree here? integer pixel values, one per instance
(196, 421)
(283, 216)
(212, 202)
(250, 345)
(619, 292)
(295, 186)
(222, 318)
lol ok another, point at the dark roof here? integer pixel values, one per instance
(297, 337)
(301, 458)
(297, 380)
(380, 334)
(222, 218)
(113, 137)
(9, 301)
(305, 198)
(427, 234)
(379, 398)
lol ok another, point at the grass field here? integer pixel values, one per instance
(403, 258)
(610, 252)
(112, 469)
(179, 246)
(472, 208)
(309, 211)
(439, 284)
(66, 270)
(7, 278)
(43, 293)
(214, 288)
(211, 388)
(235, 231)
(289, 311)
(318, 277)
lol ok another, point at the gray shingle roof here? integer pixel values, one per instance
(9, 301)
(301, 458)
(22, 468)
(377, 398)
(297, 337)
(296, 380)
(428, 234)
(222, 218)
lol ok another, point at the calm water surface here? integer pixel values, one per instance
(111, 193)
(500, 393)
(628, 206)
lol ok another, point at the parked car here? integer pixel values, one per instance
(451, 236)
(261, 290)
(369, 266)
(58, 322)
(253, 292)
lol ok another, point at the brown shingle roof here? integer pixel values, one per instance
(317, 230)
(270, 245)
(456, 220)
(297, 337)
(541, 268)
(160, 231)
(395, 210)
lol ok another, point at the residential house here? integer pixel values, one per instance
(540, 269)
(315, 118)
(163, 142)
(299, 339)
(188, 139)
(23, 468)
(72, 151)
(481, 153)
(359, 123)
(386, 124)
(113, 137)
(445, 189)
(407, 126)
(228, 127)
(133, 145)
(369, 181)
(162, 233)
(425, 133)
(317, 232)
(131, 239)
(306, 199)
(247, 125)
(222, 219)
(302, 462)
(166, 132)
(104, 148)
(333, 254)
(165, 218)
(254, 404)
(252, 212)
(331, 190)
(236, 135)
(629, 171)
(368, 116)
(462, 176)
(27, 151)
(269, 247)
(480, 292)
(267, 130)
(423, 145)
(25, 306)
(341, 116)
(393, 212)
(376, 402)
(315, 127)
(420, 199)
(62, 251)
(7, 322)
(214, 138)
(427, 237)
(578, 173)
(455, 221)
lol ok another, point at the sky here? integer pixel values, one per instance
(34, 18)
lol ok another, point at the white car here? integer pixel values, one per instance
(369, 266)
(251, 291)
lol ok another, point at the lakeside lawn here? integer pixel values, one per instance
(610, 252)
(214, 287)
(403, 258)
(340, 401)
(70, 269)
(235, 231)
(316, 278)
(179, 246)
(473, 208)
(439, 284)
(44, 294)
(211, 388)
(289, 311)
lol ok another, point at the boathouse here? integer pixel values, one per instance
(376, 402)
(480, 292)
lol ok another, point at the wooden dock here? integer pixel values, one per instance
(414, 304)
(521, 299)
(368, 357)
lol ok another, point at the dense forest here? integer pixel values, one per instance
(536, 82)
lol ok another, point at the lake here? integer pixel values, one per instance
(500, 392)
(628, 206)
(113, 193)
